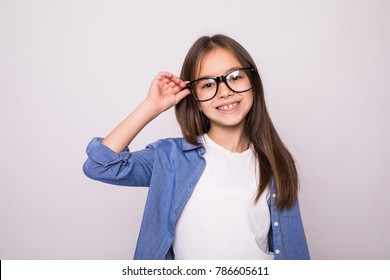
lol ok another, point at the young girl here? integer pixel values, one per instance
(228, 189)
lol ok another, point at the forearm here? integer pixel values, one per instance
(125, 168)
(122, 135)
(165, 91)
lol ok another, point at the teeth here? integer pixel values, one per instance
(228, 107)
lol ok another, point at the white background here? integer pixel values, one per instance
(71, 70)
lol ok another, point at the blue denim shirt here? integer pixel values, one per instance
(172, 168)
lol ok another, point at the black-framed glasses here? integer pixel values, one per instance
(238, 80)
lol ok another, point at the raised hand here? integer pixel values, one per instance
(166, 91)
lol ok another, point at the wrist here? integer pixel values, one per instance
(150, 109)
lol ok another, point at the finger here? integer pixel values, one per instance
(172, 84)
(170, 81)
(181, 94)
(176, 79)
(166, 80)
(179, 88)
(163, 84)
(162, 75)
(183, 84)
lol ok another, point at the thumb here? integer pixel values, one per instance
(181, 94)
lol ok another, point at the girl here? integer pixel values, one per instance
(228, 189)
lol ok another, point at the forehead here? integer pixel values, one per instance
(217, 62)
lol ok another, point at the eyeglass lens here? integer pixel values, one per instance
(238, 81)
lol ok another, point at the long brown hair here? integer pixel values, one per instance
(274, 159)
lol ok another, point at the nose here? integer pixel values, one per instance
(223, 90)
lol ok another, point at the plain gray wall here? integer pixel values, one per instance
(71, 70)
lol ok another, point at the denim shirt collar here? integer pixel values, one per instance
(186, 146)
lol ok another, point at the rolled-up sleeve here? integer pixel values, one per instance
(124, 168)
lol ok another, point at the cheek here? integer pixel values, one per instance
(204, 106)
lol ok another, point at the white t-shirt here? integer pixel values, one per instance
(220, 219)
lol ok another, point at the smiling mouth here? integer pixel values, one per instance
(228, 107)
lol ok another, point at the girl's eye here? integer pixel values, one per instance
(234, 76)
(207, 84)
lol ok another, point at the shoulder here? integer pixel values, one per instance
(176, 152)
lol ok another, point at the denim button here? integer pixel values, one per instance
(276, 224)
(274, 195)
(277, 251)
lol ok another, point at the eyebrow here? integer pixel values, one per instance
(227, 71)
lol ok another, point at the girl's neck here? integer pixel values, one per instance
(231, 139)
